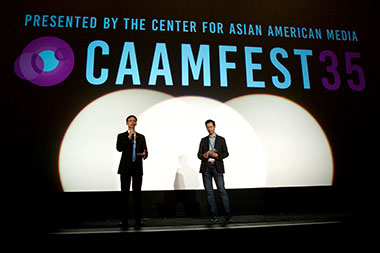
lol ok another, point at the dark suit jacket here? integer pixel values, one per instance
(220, 146)
(125, 145)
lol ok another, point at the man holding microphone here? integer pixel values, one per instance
(134, 150)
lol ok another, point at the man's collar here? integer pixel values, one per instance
(212, 136)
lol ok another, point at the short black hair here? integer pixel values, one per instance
(131, 116)
(210, 121)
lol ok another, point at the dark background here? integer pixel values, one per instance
(36, 118)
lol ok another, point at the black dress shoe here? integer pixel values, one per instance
(139, 224)
(124, 225)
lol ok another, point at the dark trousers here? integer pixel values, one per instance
(209, 174)
(125, 180)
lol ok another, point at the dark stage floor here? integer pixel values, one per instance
(325, 231)
(318, 229)
(93, 226)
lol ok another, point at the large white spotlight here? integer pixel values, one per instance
(88, 159)
(297, 151)
(174, 128)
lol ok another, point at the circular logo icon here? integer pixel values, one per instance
(45, 61)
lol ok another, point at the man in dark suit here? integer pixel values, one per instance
(134, 150)
(212, 151)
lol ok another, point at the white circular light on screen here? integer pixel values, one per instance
(88, 159)
(174, 128)
(296, 148)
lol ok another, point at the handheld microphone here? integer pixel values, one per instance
(134, 135)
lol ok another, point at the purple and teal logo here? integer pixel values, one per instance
(45, 61)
